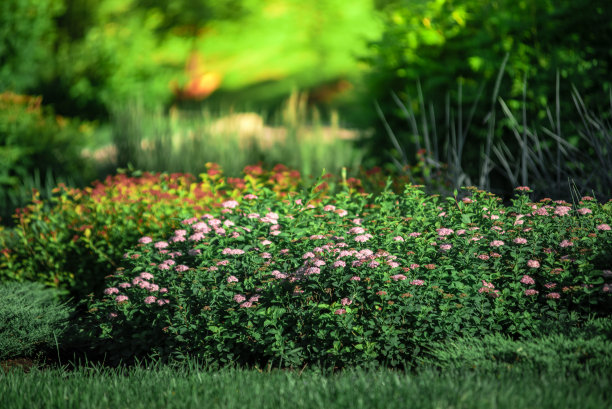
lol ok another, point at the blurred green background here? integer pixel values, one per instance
(498, 93)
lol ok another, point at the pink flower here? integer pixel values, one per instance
(414, 266)
(266, 242)
(531, 291)
(239, 298)
(541, 211)
(266, 255)
(340, 311)
(181, 268)
(180, 232)
(522, 188)
(373, 264)
(527, 280)
(487, 285)
(163, 290)
(445, 232)
(430, 266)
(355, 278)
(553, 295)
(161, 245)
(341, 212)
(339, 264)
(162, 302)
(520, 240)
(232, 279)
(163, 266)
(214, 222)
(230, 204)
(150, 299)
(247, 304)
(146, 276)
(124, 285)
(201, 227)
(414, 234)
(313, 270)
(381, 293)
(121, 298)
(566, 243)
(460, 232)
(278, 274)
(346, 301)
(417, 282)
(550, 286)
(145, 240)
(232, 251)
(319, 263)
(254, 298)
(584, 210)
(607, 288)
(365, 253)
(329, 208)
(190, 221)
(398, 238)
(393, 264)
(533, 264)
(152, 287)
(250, 196)
(197, 236)
(398, 277)
(356, 230)
(483, 256)
(496, 243)
(363, 238)
(445, 247)
(112, 315)
(603, 227)
(562, 210)
(111, 290)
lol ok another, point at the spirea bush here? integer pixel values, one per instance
(348, 281)
(31, 320)
(74, 240)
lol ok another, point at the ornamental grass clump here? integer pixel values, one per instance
(349, 282)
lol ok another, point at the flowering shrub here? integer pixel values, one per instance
(78, 237)
(346, 282)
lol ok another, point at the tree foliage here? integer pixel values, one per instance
(438, 42)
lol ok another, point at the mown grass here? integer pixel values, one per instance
(189, 386)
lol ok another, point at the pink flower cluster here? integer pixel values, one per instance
(527, 280)
(489, 288)
(235, 252)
